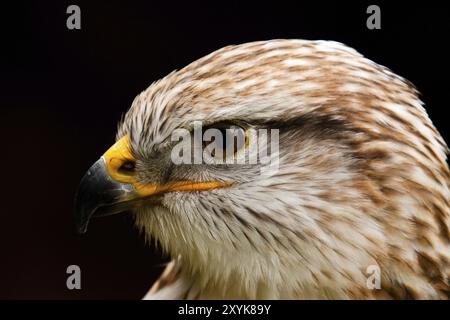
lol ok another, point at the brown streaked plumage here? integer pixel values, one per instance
(362, 179)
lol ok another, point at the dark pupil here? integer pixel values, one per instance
(223, 133)
(233, 138)
(127, 166)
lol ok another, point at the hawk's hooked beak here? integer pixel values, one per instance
(110, 186)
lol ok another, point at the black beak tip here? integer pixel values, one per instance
(96, 196)
(79, 217)
(85, 200)
(81, 229)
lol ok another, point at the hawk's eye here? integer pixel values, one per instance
(127, 167)
(224, 138)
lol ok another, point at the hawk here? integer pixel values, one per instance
(361, 182)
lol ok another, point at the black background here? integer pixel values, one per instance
(62, 92)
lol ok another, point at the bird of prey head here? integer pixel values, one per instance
(361, 182)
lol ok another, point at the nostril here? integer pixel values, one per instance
(127, 167)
